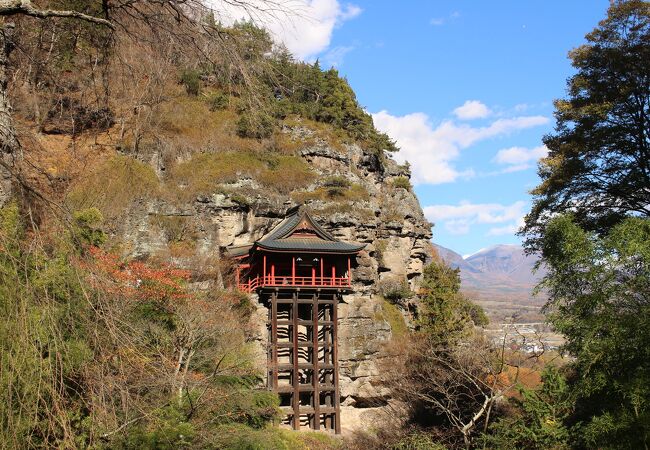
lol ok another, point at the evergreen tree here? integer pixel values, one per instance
(598, 164)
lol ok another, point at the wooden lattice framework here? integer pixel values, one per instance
(301, 273)
(302, 356)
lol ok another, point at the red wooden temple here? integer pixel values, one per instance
(300, 272)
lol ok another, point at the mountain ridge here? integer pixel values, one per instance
(501, 278)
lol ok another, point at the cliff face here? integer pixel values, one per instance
(374, 206)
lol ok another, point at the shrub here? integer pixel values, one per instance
(401, 183)
(191, 79)
(87, 226)
(255, 125)
(394, 289)
(217, 101)
(336, 186)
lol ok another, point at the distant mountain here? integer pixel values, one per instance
(508, 260)
(500, 278)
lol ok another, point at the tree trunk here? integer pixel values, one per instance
(9, 145)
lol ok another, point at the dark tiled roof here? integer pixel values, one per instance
(280, 238)
(238, 250)
(316, 245)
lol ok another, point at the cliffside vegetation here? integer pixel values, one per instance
(104, 105)
(108, 104)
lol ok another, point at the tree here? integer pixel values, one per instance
(599, 299)
(538, 421)
(187, 24)
(450, 376)
(598, 164)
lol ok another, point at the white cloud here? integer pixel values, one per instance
(519, 158)
(458, 219)
(304, 26)
(438, 21)
(472, 109)
(508, 229)
(335, 56)
(432, 150)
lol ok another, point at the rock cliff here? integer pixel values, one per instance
(368, 200)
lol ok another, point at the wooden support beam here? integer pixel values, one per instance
(314, 356)
(295, 371)
(335, 361)
(274, 340)
(293, 270)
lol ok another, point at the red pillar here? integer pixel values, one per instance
(313, 276)
(333, 273)
(293, 270)
(349, 271)
(272, 273)
(264, 271)
(321, 270)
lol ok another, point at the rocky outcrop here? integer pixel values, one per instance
(383, 213)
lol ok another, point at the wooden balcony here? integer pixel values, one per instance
(269, 281)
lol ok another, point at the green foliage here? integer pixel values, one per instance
(598, 165)
(217, 101)
(43, 343)
(598, 290)
(336, 186)
(447, 314)
(256, 125)
(167, 429)
(539, 420)
(191, 79)
(88, 226)
(286, 87)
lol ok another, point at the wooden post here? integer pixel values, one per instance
(295, 371)
(333, 273)
(274, 341)
(314, 360)
(313, 276)
(272, 273)
(321, 270)
(293, 270)
(335, 361)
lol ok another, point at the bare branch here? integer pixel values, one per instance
(25, 7)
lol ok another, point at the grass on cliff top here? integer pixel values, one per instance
(113, 185)
(204, 172)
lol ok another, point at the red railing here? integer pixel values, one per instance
(288, 281)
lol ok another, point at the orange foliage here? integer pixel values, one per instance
(137, 280)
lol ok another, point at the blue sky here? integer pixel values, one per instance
(464, 86)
